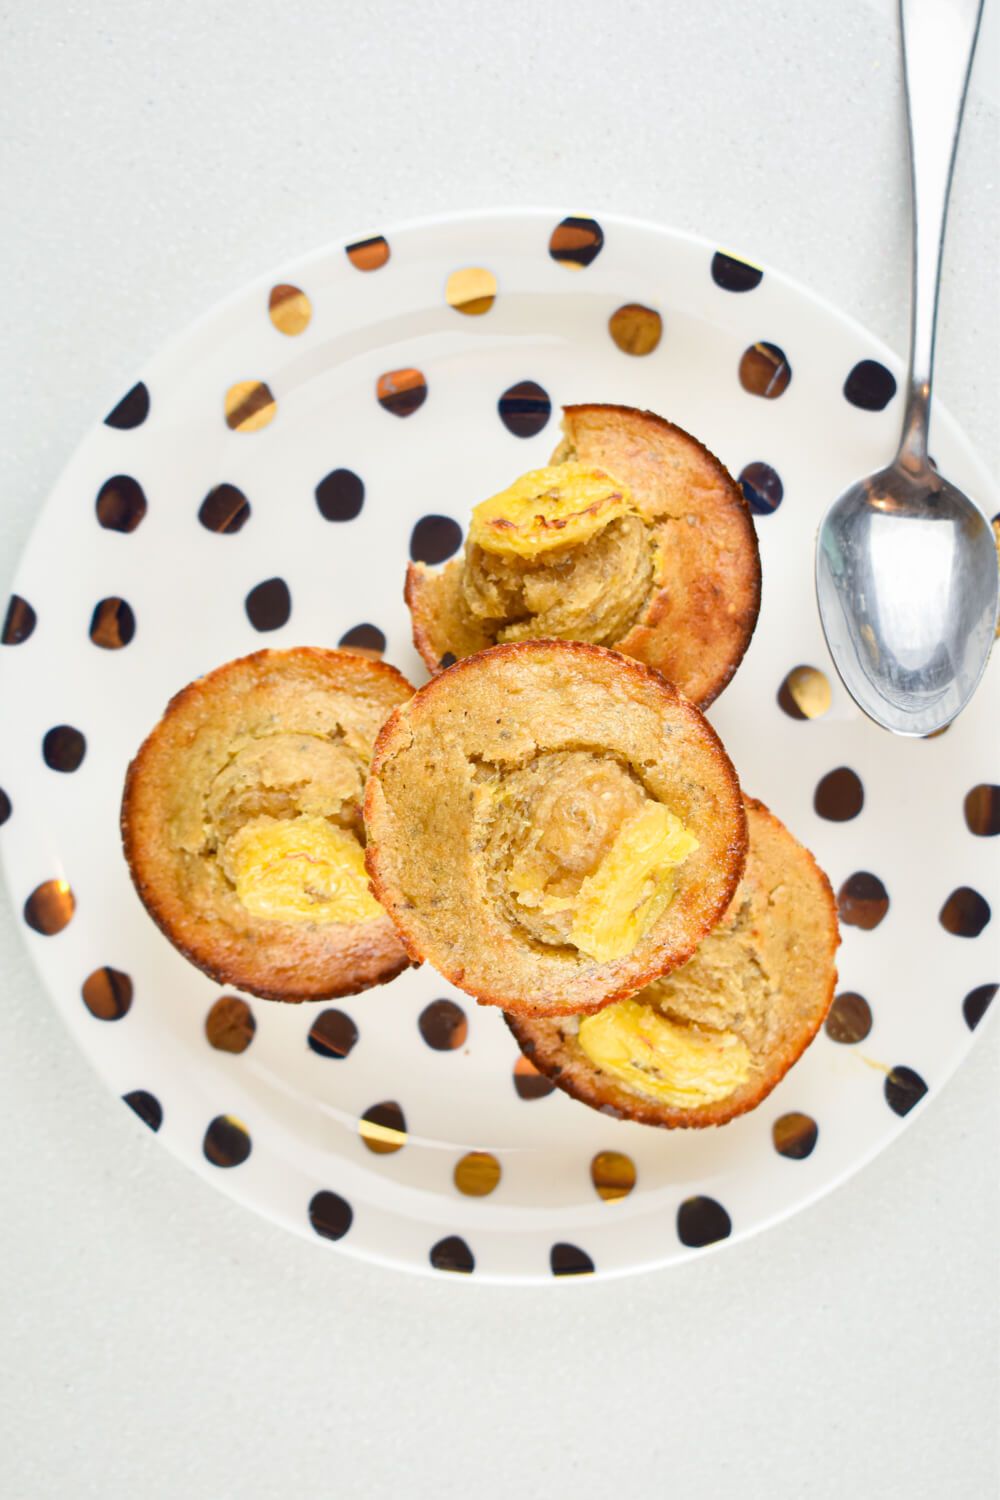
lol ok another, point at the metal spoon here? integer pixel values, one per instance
(906, 566)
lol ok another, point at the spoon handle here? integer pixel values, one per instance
(939, 38)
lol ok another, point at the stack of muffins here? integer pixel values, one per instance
(551, 821)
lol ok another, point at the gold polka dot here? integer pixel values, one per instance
(401, 391)
(112, 625)
(50, 907)
(576, 242)
(477, 1174)
(862, 900)
(795, 1136)
(230, 1025)
(107, 994)
(368, 255)
(982, 810)
(764, 371)
(383, 1128)
(613, 1174)
(290, 309)
(471, 290)
(636, 329)
(805, 693)
(249, 406)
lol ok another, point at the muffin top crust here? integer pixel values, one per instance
(710, 1040)
(552, 825)
(242, 823)
(634, 537)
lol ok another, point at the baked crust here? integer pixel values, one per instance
(802, 942)
(700, 615)
(312, 692)
(440, 757)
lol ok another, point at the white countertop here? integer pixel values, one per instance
(158, 1341)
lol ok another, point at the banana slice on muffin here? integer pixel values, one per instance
(635, 537)
(552, 825)
(712, 1039)
(242, 824)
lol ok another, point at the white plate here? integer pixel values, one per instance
(294, 1110)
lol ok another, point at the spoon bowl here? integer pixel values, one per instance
(906, 565)
(907, 585)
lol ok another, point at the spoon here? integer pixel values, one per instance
(906, 565)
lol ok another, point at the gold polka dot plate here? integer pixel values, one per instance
(265, 481)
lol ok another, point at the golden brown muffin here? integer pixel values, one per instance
(242, 824)
(552, 825)
(637, 538)
(712, 1039)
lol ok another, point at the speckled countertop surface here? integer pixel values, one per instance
(159, 1341)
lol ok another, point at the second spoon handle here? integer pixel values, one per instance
(938, 38)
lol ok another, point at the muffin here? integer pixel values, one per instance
(552, 825)
(242, 824)
(635, 537)
(712, 1039)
